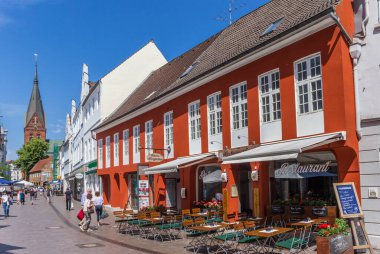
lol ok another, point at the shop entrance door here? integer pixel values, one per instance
(245, 190)
(133, 191)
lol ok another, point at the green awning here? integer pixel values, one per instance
(91, 172)
(93, 164)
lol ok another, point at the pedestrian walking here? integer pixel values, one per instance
(88, 208)
(31, 194)
(82, 201)
(68, 195)
(6, 202)
(22, 197)
(35, 193)
(98, 203)
(48, 195)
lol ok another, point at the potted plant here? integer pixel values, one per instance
(334, 237)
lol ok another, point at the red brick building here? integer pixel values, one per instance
(270, 92)
(35, 125)
(41, 172)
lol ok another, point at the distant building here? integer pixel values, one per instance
(42, 172)
(3, 144)
(15, 172)
(97, 101)
(35, 122)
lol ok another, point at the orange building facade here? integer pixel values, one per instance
(286, 104)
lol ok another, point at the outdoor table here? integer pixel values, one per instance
(304, 223)
(206, 238)
(154, 220)
(268, 236)
(228, 224)
(199, 215)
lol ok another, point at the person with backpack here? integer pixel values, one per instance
(22, 197)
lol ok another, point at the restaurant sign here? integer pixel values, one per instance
(155, 157)
(296, 170)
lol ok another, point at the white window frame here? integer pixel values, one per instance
(214, 114)
(169, 133)
(238, 123)
(116, 149)
(273, 105)
(168, 128)
(148, 138)
(136, 143)
(308, 82)
(108, 151)
(194, 118)
(126, 147)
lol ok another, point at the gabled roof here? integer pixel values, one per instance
(242, 37)
(35, 103)
(41, 164)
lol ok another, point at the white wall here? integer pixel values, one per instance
(117, 85)
(369, 145)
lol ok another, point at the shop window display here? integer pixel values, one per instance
(209, 183)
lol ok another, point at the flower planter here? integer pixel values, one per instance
(335, 244)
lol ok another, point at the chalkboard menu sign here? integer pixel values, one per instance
(348, 201)
(297, 210)
(277, 209)
(340, 243)
(319, 211)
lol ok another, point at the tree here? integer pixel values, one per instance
(30, 154)
(5, 171)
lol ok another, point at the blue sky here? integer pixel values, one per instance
(68, 33)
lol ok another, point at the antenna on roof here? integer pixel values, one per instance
(231, 8)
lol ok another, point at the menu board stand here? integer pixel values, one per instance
(349, 208)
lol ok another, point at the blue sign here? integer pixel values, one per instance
(347, 198)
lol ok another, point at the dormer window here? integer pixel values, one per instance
(273, 26)
(188, 70)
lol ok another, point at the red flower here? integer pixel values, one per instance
(323, 226)
(327, 233)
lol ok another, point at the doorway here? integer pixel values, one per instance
(245, 189)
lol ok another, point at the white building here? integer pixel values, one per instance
(98, 100)
(16, 174)
(3, 144)
(366, 56)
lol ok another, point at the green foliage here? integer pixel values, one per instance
(4, 169)
(340, 227)
(30, 154)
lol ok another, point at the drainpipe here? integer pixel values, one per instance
(355, 52)
(365, 20)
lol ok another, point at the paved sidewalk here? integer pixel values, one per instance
(36, 229)
(108, 232)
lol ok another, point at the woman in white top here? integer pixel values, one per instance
(5, 201)
(88, 208)
(98, 203)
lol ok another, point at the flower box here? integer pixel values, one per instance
(335, 244)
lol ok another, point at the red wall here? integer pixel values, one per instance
(339, 111)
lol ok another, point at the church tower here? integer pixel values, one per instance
(34, 126)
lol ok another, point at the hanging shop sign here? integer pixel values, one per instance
(296, 170)
(78, 175)
(154, 157)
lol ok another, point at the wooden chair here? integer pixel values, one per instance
(185, 214)
(195, 210)
(249, 225)
(199, 221)
(276, 221)
(155, 215)
(242, 216)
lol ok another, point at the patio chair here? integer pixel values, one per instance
(195, 210)
(294, 243)
(185, 214)
(229, 238)
(277, 221)
(199, 221)
(161, 231)
(214, 217)
(306, 238)
(249, 225)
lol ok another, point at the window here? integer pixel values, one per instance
(273, 26)
(214, 104)
(239, 108)
(125, 147)
(116, 149)
(148, 138)
(108, 151)
(270, 96)
(209, 183)
(136, 139)
(168, 121)
(85, 151)
(93, 149)
(100, 153)
(195, 120)
(309, 85)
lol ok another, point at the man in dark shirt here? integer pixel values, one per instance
(68, 195)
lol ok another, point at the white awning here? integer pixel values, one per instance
(174, 165)
(283, 150)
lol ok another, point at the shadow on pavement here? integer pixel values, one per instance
(4, 226)
(5, 248)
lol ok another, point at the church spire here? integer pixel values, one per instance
(35, 107)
